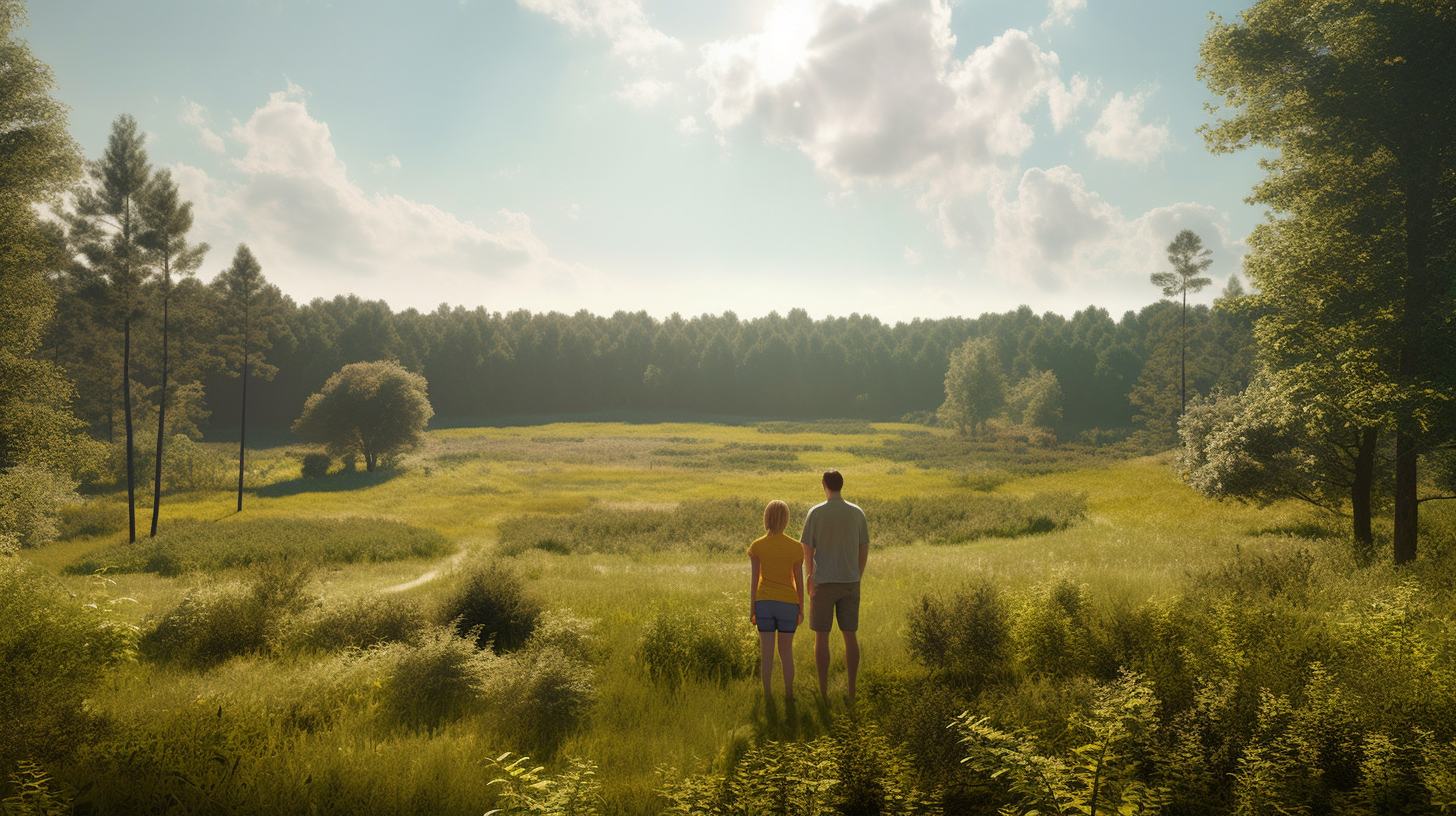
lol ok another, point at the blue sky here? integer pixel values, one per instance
(901, 158)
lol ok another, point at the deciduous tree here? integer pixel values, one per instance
(371, 410)
(975, 386)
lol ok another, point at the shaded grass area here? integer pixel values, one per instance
(729, 524)
(190, 546)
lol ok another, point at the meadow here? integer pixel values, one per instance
(577, 593)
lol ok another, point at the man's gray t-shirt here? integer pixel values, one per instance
(834, 531)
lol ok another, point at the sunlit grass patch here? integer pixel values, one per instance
(190, 546)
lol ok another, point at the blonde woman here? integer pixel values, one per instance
(776, 592)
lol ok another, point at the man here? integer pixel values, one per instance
(836, 543)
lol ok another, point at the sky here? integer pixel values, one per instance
(896, 158)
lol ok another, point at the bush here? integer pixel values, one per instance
(967, 633)
(682, 640)
(30, 501)
(433, 681)
(214, 624)
(359, 623)
(316, 465)
(187, 546)
(491, 606)
(1050, 629)
(189, 465)
(54, 650)
(538, 695)
(91, 518)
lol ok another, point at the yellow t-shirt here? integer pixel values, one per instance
(777, 556)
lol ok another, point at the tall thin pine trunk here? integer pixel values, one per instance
(243, 421)
(1360, 489)
(161, 424)
(1183, 357)
(126, 401)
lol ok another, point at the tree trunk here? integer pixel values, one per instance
(126, 400)
(1405, 498)
(1419, 297)
(161, 427)
(243, 431)
(1360, 490)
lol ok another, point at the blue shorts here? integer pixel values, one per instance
(776, 616)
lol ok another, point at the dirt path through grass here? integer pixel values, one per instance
(440, 569)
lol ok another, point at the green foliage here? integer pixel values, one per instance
(975, 386)
(525, 791)
(490, 605)
(34, 793)
(950, 452)
(1049, 628)
(220, 622)
(1105, 773)
(1036, 400)
(55, 649)
(433, 681)
(92, 517)
(539, 695)
(358, 623)
(193, 546)
(371, 409)
(316, 465)
(823, 426)
(852, 770)
(30, 502)
(682, 639)
(966, 632)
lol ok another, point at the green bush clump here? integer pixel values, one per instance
(316, 465)
(55, 649)
(688, 640)
(538, 694)
(216, 623)
(490, 605)
(958, 517)
(948, 451)
(188, 546)
(433, 681)
(358, 623)
(966, 633)
(823, 426)
(91, 518)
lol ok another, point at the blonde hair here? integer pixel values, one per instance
(776, 516)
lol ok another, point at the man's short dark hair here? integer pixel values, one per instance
(833, 480)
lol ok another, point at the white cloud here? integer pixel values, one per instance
(872, 93)
(1121, 135)
(294, 203)
(195, 115)
(644, 93)
(623, 22)
(689, 125)
(912, 257)
(1065, 99)
(1061, 11)
(1061, 235)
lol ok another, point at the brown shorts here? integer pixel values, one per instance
(834, 602)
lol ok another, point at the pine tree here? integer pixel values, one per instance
(1189, 260)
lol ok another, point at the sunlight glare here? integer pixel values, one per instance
(786, 36)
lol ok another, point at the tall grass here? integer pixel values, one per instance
(197, 546)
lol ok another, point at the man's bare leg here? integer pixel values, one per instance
(821, 661)
(786, 657)
(851, 658)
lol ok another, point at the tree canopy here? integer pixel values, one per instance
(372, 410)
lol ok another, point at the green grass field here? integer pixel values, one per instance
(609, 525)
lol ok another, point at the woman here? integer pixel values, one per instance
(777, 594)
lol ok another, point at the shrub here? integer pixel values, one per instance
(433, 681)
(359, 623)
(30, 501)
(91, 518)
(316, 465)
(683, 640)
(560, 629)
(539, 695)
(491, 606)
(54, 649)
(214, 624)
(186, 545)
(190, 465)
(966, 633)
(1050, 629)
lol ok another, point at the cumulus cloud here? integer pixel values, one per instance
(195, 115)
(1061, 11)
(293, 200)
(1121, 135)
(871, 92)
(1060, 234)
(623, 22)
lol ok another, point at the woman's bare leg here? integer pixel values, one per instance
(786, 656)
(765, 659)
